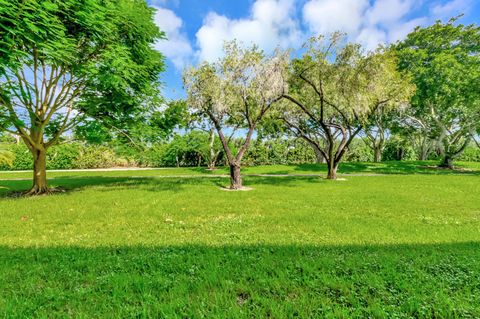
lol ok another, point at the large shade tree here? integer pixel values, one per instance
(62, 60)
(335, 90)
(235, 93)
(444, 60)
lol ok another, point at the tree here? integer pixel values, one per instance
(379, 126)
(444, 61)
(335, 90)
(235, 93)
(64, 60)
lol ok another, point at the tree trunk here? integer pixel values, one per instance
(211, 145)
(332, 169)
(377, 157)
(40, 185)
(447, 162)
(319, 156)
(235, 177)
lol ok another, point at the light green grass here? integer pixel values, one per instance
(414, 167)
(404, 245)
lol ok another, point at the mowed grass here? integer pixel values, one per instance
(394, 167)
(405, 245)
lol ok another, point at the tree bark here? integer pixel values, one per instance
(318, 155)
(235, 177)
(211, 145)
(447, 162)
(332, 169)
(40, 185)
(377, 154)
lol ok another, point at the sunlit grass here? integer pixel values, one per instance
(404, 245)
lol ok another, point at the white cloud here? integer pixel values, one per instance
(451, 8)
(271, 24)
(177, 47)
(388, 11)
(326, 16)
(371, 37)
(368, 23)
(400, 31)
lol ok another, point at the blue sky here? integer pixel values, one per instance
(196, 29)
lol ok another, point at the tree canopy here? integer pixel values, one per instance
(444, 62)
(335, 89)
(66, 60)
(236, 92)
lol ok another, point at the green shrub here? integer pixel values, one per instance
(358, 152)
(396, 150)
(471, 154)
(98, 156)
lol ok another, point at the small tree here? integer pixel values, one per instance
(61, 60)
(335, 90)
(235, 93)
(444, 60)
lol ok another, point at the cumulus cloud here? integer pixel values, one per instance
(401, 30)
(271, 24)
(388, 11)
(371, 38)
(177, 47)
(326, 16)
(451, 8)
(368, 23)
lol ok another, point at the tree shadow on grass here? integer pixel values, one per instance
(388, 167)
(11, 188)
(189, 281)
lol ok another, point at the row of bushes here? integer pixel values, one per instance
(194, 150)
(67, 156)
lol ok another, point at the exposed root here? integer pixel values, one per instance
(42, 191)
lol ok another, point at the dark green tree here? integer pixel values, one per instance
(64, 60)
(444, 60)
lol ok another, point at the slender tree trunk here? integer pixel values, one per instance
(235, 177)
(211, 144)
(319, 156)
(40, 185)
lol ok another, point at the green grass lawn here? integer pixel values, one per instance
(389, 246)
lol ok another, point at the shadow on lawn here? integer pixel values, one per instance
(389, 167)
(421, 281)
(11, 188)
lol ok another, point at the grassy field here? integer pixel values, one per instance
(401, 245)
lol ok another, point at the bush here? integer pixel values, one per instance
(471, 154)
(358, 152)
(66, 156)
(398, 150)
(98, 156)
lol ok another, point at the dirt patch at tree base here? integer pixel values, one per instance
(243, 189)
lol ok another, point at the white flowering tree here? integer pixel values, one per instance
(335, 90)
(235, 93)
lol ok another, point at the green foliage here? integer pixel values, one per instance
(67, 156)
(359, 152)
(397, 149)
(471, 154)
(6, 158)
(64, 61)
(98, 157)
(444, 61)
